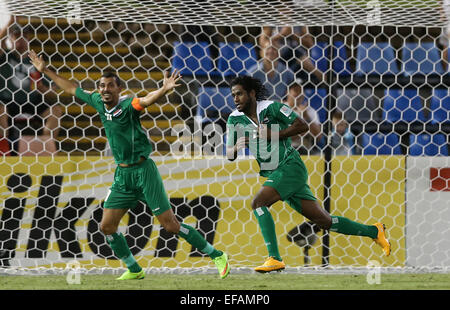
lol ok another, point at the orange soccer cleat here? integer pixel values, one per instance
(381, 239)
(271, 264)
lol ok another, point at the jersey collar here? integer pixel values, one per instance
(121, 99)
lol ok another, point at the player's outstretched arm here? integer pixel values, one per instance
(170, 82)
(63, 83)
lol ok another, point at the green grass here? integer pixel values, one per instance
(278, 281)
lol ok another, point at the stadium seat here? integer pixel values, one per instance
(319, 55)
(380, 144)
(341, 65)
(192, 58)
(376, 58)
(440, 106)
(421, 58)
(317, 99)
(214, 103)
(428, 145)
(403, 105)
(236, 58)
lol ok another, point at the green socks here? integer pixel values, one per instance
(119, 245)
(267, 226)
(193, 237)
(348, 227)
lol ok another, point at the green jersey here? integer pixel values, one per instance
(277, 116)
(127, 138)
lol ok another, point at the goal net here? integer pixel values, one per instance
(371, 78)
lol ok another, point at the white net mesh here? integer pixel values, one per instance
(237, 12)
(378, 69)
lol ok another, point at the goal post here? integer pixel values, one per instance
(370, 77)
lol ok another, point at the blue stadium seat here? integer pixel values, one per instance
(403, 105)
(236, 58)
(376, 58)
(380, 144)
(428, 145)
(341, 64)
(192, 58)
(216, 101)
(440, 106)
(317, 99)
(319, 55)
(421, 58)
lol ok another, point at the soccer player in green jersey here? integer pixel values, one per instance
(136, 177)
(266, 127)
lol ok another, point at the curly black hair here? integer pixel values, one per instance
(249, 83)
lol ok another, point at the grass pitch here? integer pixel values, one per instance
(274, 281)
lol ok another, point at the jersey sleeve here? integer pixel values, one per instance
(136, 106)
(133, 105)
(283, 113)
(87, 97)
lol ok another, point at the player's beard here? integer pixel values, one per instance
(107, 98)
(242, 106)
(246, 107)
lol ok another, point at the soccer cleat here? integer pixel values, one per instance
(222, 265)
(381, 239)
(271, 264)
(128, 275)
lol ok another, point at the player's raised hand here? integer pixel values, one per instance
(170, 82)
(38, 62)
(242, 143)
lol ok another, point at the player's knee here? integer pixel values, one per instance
(323, 222)
(107, 229)
(172, 227)
(257, 203)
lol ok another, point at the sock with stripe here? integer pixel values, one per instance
(194, 238)
(119, 245)
(346, 226)
(267, 226)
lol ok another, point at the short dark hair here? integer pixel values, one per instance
(337, 114)
(250, 83)
(110, 74)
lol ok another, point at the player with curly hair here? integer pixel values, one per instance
(265, 127)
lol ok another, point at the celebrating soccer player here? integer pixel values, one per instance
(136, 177)
(266, 127)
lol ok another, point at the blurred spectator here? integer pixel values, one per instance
(305, 144)
(22, 89)
(445, 37)
(4, 144)
(358, 104)
(294, 43)
(275, 76)
(203, 33)
(139, 37)
(342, 140)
